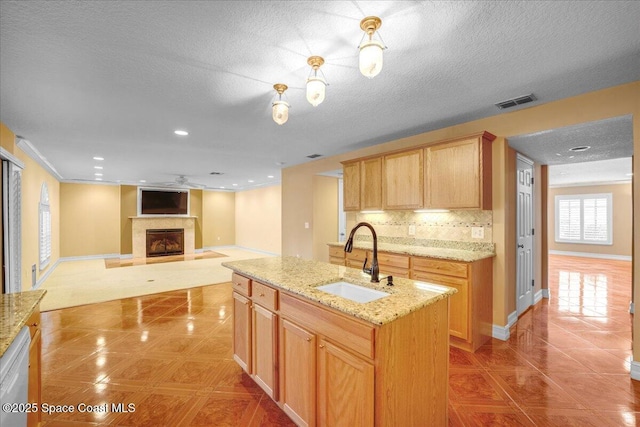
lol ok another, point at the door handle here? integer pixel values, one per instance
(521, 246)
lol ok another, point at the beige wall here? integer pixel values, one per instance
(325, 215)
(89, 219)
(218, 218)
(195, 209)
(33, 176)
(297, 181)
(258, 219)
(7, 138)
(622, 214)
(128, 208)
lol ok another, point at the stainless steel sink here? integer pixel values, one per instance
(352, 292)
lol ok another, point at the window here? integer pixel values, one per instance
(584, 218)
(45, 227)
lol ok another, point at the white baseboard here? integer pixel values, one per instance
(503, 332)
(537, 297)
(592, 255)
(126, 256)
(545, 293)
(89, 257)
(213, 248)
(46, 274)
(635, 370)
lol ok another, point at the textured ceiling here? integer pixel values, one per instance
(116, 78)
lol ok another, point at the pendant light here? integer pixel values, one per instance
(316, 85)
(370, 49)
(280, 107)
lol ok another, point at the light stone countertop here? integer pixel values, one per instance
(16, 309)
(301, 277)
(464, 255)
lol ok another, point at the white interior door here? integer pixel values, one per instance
(524, 254)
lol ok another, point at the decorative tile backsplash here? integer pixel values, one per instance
(430, 227)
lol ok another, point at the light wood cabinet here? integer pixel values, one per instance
(34, 391)
(345, 387)
(298, 373)
(265, 349)
(371, 184)
(355, 258)
(471, 308)
(335, 369)
(242, 331)
(458, 174)
(393, 264)
(351, 186)
(336, 255)
(403, 185)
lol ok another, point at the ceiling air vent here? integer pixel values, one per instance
(313, 156)
(516, 101)
(216, 173)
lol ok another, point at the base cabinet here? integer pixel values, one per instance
(345, 388)
(265, 349)
(34, 393)
(242, 331)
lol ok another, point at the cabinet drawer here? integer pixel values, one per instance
(336, 252)
(356, 255)
(264, 295)
(438, 279)
(349, 333)
(385, 270)
(392, 260)
(337, 261)
(448, 268)
(241, 284)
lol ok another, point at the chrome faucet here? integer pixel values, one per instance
(374, 271)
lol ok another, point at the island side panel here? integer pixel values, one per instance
(413, 368)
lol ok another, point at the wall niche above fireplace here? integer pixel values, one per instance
(165, 242)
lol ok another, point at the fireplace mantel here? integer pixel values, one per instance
(140, 225)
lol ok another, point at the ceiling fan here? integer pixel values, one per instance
(181, 181)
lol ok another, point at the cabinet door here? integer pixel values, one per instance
(453, 175)
(345, 388)
(298, 373)
(34, 394)
(264, 333)
(351, 186)
(371, 184)
(403, 181)
(242, 331)
(459, 307)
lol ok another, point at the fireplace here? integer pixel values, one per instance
(165, 242)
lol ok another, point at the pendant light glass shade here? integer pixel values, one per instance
(280, 108)
(371, 58)
(280, 112)
(316, 90)
(370, 61)
(316, 85)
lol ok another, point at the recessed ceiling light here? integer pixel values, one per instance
(250, 180)
(143, 180)
(629, 174)
(97, 167)
(235, 185)
(571, 157)
(98, 179)
(98, 158)
(97, 174)
(270, 176)
(223, 187)
(558, 154)
(580, 148)
(181, 132)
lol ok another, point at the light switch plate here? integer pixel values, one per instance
(477, 232)
(412, 230)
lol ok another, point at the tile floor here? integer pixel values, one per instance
(566, 363)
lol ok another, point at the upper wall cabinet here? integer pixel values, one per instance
(458, 173)
(371, 184)
(351, 183)
(402, 184)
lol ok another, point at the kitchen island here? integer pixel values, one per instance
(328, 360)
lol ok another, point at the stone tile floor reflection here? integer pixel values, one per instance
(566, 363)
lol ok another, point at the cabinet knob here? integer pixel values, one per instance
(321, 345)
(34, 324)
(261, 295)
(308, 339)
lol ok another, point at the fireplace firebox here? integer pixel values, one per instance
(165, 242)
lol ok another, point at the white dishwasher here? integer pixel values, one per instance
(14, 380)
